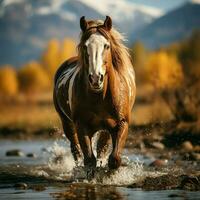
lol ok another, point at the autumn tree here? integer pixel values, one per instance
(189, 55)
(56, 53)
(8, 81)
(68, 49)
(51, 57)
(166, 74)
(164, 70)
(33, 78)
(139, 56)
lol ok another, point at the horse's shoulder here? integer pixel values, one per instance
(66, 64)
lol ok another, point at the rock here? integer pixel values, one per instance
(31, 155)
(169, 182)
(197, 148)
(191, 183)
(159, 163)
(38, 188)
(191, 156)
(166, 155)
(158, 145)
(195, 156)
(166, 182)
(44, 149)
(187, 146)
(175, 195)
(21, 186)
(14, 152)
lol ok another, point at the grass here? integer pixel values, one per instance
(38, 112)
(33, 111)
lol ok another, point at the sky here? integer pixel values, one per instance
(165, 5)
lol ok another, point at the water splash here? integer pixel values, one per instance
(62, 164)
(57, 164)
(60, 159)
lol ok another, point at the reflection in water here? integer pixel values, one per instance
(86, 191)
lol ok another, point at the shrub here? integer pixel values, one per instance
(33, 78)
(164, 71)
(8, 81)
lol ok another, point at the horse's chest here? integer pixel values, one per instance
(96, 115)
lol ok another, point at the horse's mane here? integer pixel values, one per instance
(120, 54)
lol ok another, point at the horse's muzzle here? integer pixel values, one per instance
(96, 81)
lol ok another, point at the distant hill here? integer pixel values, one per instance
(27, 25)
(175, 25)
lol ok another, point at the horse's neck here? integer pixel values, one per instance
(113, 80)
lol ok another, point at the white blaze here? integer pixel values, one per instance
(95, 47)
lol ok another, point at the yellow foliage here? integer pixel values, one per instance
(164, 70)
(68, 49)
(33, 78)
(55, 54)
(139, 57)
(51, 57)
(8, 81)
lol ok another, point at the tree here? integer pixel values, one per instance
(189, 56)
(33, 78)
(8, 81)
(166, 74)
(55, 54)
(139, 57)
(164, 70)
(68, 49)
(51, 57)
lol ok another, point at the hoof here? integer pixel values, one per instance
(90, 172)
(90, 162)
(114, 162)
(90, 165)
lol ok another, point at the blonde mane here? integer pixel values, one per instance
(120, 54)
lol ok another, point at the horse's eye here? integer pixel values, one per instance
(84, 46)
(106, 46)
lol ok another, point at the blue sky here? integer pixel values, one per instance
(165, 5)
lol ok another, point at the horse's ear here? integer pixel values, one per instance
(108, 23)
(83, 23)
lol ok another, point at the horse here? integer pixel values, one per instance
(95, 91)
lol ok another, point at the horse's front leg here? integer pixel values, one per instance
(86, 146)
(71, 134)
(119, 135)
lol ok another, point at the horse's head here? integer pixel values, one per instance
(96, 53)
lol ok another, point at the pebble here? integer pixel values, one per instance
(31, 155)
(44, 149)
(159, 163)
(14, 152)
(197, 148)
(175, 195)
(166, 155)
(195, 156)
(38, 188)
(191, 156)
(187, 146)
(158, 145)
(22, 186)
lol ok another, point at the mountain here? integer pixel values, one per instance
(174, 26)
(27, 25)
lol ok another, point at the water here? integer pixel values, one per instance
(52, 174)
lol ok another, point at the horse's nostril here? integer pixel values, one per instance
(90, 78)
(101, 78)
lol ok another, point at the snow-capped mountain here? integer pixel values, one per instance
(174, 26)
(121, 10)
(27, 25)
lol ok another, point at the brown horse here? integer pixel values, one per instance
(96, 91)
